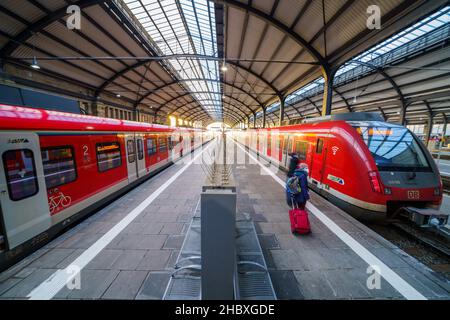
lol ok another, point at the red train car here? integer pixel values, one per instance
(362, 164)
(58, 167)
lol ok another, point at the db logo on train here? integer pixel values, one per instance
(413, 194)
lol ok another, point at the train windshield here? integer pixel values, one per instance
(393, 148)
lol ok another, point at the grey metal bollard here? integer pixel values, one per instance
(218, 225)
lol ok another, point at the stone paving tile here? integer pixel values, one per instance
(126, 285)
(105, 259)
(8, 284)
(154, 260)
(314, 285)
(289, 241)
(98, 227)
(93, 285)
(172, 228)
(52, 258)
(135, 228)
(152, 228)
(70, 258)
(287, 260)
(147, 241)
(25, 286)
(128, 259)
(80, 241)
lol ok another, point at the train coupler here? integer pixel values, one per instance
(425, 217)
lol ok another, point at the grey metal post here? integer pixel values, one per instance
(218, 232)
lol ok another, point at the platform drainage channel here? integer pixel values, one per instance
(253, 279)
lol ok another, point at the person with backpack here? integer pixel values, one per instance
(297, 193)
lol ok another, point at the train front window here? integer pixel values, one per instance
(20, 172)
(59, 166)
(394, 148)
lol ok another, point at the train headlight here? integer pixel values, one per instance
(387, 190)
(437, 191)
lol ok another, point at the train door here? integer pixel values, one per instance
(130, 147)
(140, 162)
(318, 160)
(287, 145)
(23, 194)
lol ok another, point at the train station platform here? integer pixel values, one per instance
(128, 249)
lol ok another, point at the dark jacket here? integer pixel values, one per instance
(302, 196)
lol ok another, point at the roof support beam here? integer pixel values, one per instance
(404, 103)
(279, 25)
(237, 101)
(234, 109)
(42, 23)
(227, 113)
(199, 79)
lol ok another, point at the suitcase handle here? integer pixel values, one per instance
(294, 204)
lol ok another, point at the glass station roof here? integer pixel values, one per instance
(432, 22)
(186, 27)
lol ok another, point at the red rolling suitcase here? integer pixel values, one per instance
(299, 220)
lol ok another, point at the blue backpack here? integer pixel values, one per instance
(293, 185)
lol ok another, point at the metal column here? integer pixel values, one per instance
(281, 118)
(264, 117)
(328, 75)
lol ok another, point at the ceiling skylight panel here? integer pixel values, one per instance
(184, 27)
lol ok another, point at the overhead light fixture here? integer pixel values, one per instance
(224, 66)
(34, 64)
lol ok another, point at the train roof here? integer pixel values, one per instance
(353, 119)
(22, 118)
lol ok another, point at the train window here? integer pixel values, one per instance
(131, 151)
(170, 143)
(59, 166)
(319, 146)
(20, 172)
(140, 149)
(151, 146)
(108, 156)
(301, 148)
(162, 144)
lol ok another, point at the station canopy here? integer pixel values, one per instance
(200, 60)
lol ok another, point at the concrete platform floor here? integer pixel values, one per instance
(137, 263)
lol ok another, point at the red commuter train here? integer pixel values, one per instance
(362, 164)
(57, 167)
